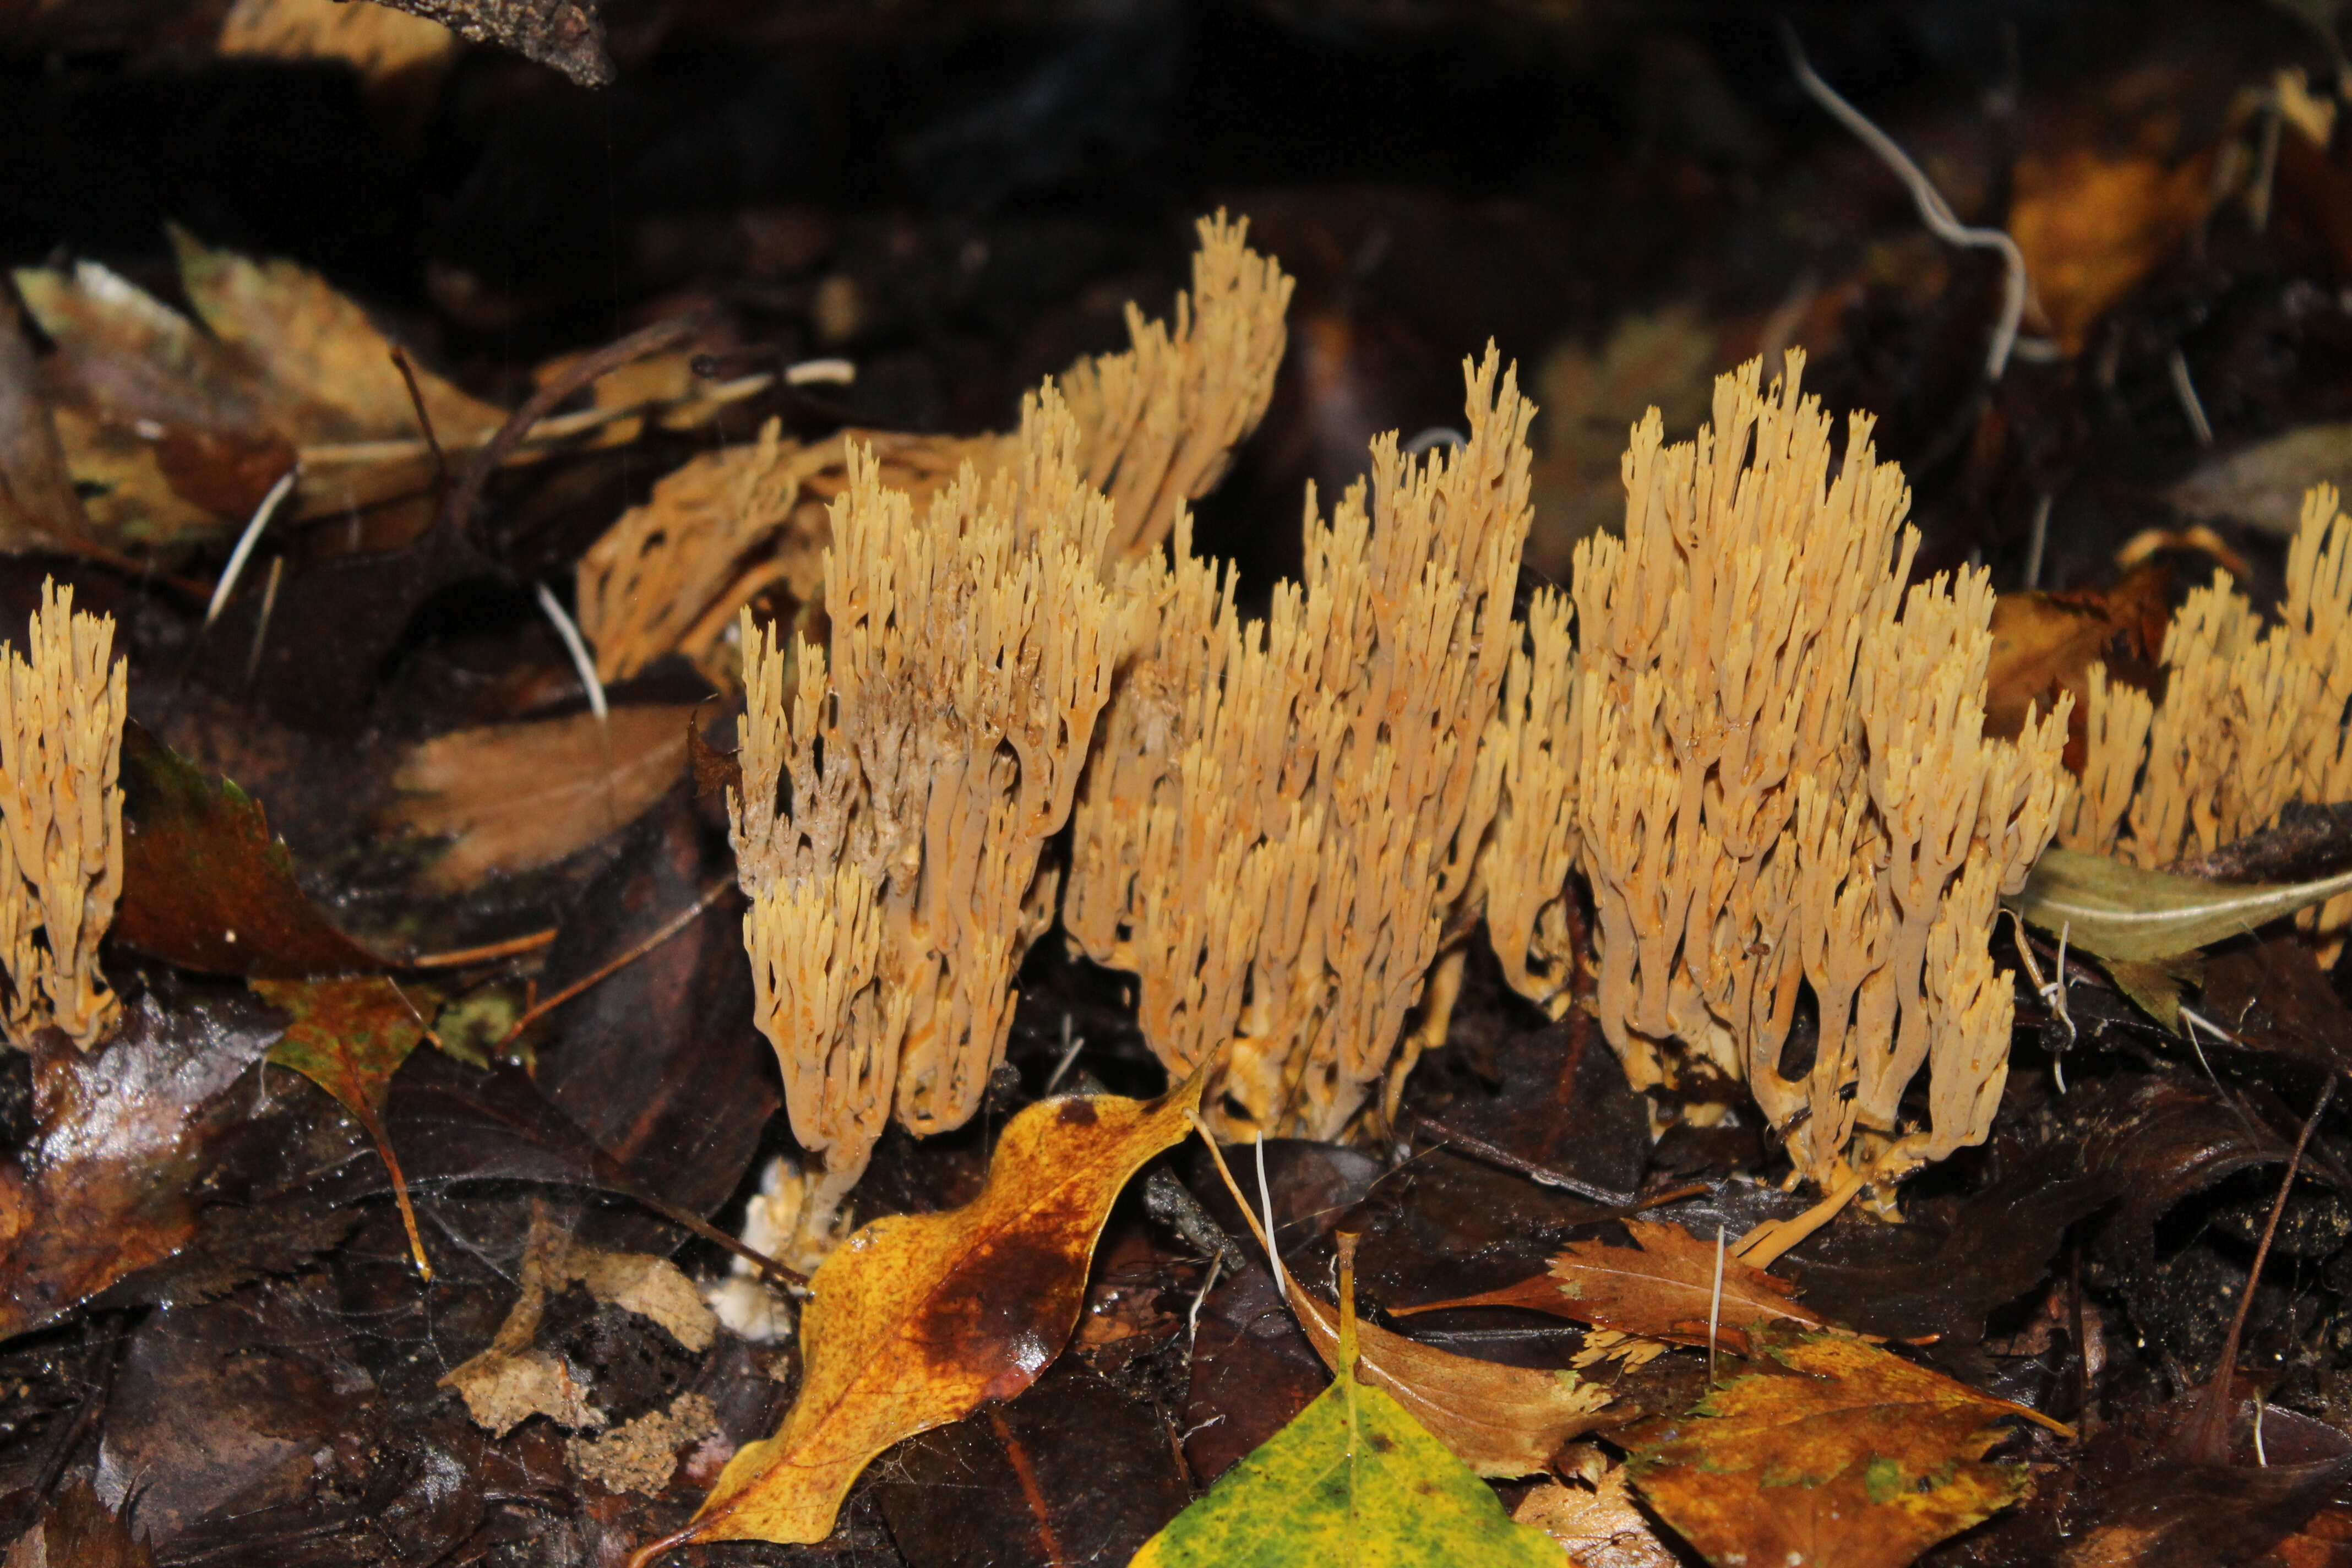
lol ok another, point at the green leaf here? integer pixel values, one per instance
(1352, 1480)
(2119, 912)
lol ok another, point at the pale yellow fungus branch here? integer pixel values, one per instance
(898, 796)
(62, 706)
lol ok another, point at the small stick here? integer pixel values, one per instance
(423, 420)
(2038, 539)
(676, 924)
(1934, 211)
(1542, 1174)
(1070, 1049)
(261, 624)
(246, 541)
(458, 958)
(577, 647)
(2176, 364)
(1715, 1300)
(2208, 1437)
(458, 510)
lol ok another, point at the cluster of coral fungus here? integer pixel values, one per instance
(1744, 736)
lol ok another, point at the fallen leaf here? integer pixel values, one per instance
(2159, 1138)
(511, 1380)
(514, 797)
(2273, 996)
(2043, 646)
(77, 1531)
(204, 884)
(109, 1182)
(2305, 843)
(2117, 910)
(918, 1319)
(329, 373)
(1599, 1528)
(1938, 1277)
(563, 34)
(2264, 485)
(1853, 1458)
(2091, 226)
(1499, 1420)
(659, 1062)
(378, 42)
(1661, 1288)
(1073, 1471)
(1252, 1372)
(1353, 1479)
(37, 504)
(349, 1037)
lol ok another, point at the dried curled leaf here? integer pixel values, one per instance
(1662, 1288)
(2120, 911)
(918, 1319)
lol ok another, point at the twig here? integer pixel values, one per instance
(2177, 364)
(577, 647)
(458, 958)
(821, 373)
(261, 622)
(605, 971)
(2037, 541)
(1071, 1046)
(246, 540)
(424, 419)
(1934, 211)
(2208, 1429)
(457, 509)
(1715, 1300)
(1478, 1148)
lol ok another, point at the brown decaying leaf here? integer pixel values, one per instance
(2273, 995)
(2044, 644)
(330, 372)
(641, 1456)
(564, 34)
(349, 1037)
(1499, 1420)
(518, 796)
(36, 494)
(106, 1185)
(77, 1531)
(206, 885)
(1603, 1528)
(1859, 1459)
(1660, 1287)
(918, 1319)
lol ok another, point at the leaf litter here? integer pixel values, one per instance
(579, 1083)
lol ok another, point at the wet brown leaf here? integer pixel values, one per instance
(1851, 1457)
(2273, 996)
(514, 797)
(1072, 1471)
(77, 1531)
(108, 1184)
(2043, 645)
(349, 1037)
(918, 1319)
(204, 884)
(1661, 1288)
